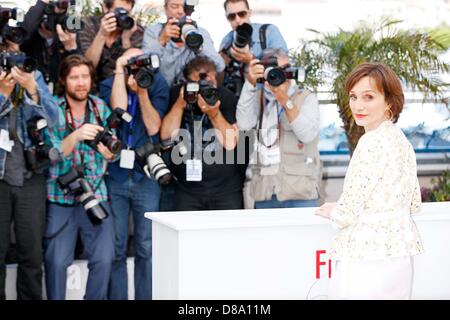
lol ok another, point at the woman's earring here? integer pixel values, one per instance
(391, 114)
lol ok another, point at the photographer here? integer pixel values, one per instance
(49, 42)
(173, 47)
(23, 95)
(77, 191)
(203, 184)
(285, 168)
(105, 38)
(129, 188)
(245, 42)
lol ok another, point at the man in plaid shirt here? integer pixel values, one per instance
(81, 117)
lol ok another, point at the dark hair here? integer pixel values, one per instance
(109, 3)
(386, 82)
(66, 66)
(235, 1)
(197, 63)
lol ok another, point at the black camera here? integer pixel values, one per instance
(106, 136)
(69, 22)
(242, 35)
(39, 157)
(203, 87)
(73, 182)
(15, 34)
(188, 30)
(124, 21)
(276, 76)
(149, 158)
(18, 59)
(234, 78)
(143, 68)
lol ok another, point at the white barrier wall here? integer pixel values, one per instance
(273, 254)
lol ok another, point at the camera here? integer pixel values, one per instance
(73, 182)
(124, 21)
(143, 68)
(39, 157)
(19, 59)
(203, 87)
(188, 30)
(106, 136)
(149, 158)
(242, 35)
(15, 34)
(276, 76)
(69, 22)
(233, 78)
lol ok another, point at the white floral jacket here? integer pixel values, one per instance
(380, 192)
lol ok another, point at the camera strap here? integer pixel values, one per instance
(132, 105)
(262, 104)
(70, 123)
(262, 36)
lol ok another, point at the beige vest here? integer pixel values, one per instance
(299, 171)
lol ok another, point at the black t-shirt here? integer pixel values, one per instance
(217, 178)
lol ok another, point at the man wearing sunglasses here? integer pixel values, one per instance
(237, 59)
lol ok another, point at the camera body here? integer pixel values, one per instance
(106, 136)
(38, 159)
(203, 87)
(19, 59)
(15, 34)
(188, 30)
(124, 21)
(143, 68)
(69, 22)
(73, 182)
(276, 75)
(149, 158)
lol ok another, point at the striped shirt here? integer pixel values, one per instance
(83, 156)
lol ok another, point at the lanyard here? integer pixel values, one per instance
(132, 104)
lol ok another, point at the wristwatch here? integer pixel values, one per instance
(289, 105)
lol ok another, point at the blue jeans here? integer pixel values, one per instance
(275, 203)
(136, 198)
(63, 225)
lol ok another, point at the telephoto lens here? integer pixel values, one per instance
(150, 160)
(242, 35)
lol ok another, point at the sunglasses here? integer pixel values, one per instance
(241, 14)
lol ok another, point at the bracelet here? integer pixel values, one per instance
(115, 72)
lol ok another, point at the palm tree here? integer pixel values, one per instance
(413, 55)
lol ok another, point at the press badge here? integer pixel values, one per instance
(5, 143)
(127, 159)
(269, 156)
(193, 170)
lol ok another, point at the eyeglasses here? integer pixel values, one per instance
(241, 14)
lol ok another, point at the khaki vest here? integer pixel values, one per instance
(299, 171)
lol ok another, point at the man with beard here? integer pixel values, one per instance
(81, 117)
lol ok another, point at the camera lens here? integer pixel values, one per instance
(92, 207)
(158, 169)
(114, 145)
(193, 39)
(210, 95)
(243, 35)
(144, 78)
(14, 34)
(29, 65)
(275, 76)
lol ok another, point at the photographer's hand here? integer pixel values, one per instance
(104, 151)
(26, 80)
(210, 111)
(255, 71)
(68, 39)
(108, 24)
(87, 131)
(7, 84)
(242, 54)
(170, 30)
